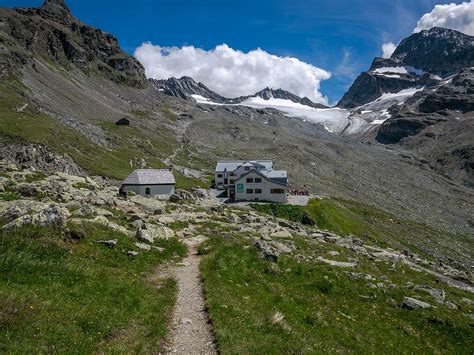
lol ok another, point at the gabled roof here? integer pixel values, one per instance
(262, 174)
(150, 177)
(231, 165)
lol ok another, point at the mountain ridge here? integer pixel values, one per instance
(186, 86)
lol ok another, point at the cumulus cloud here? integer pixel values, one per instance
(387, 49)
(458, 17)
(231, 72)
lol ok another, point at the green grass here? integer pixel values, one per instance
(83, 185)
(321, 306)
(291, 213)
(78, 296)
(128, 142)
(189, 182)
(9, 196)
(348, 217)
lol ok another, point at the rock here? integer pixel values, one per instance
(307, 220)
(131, 253)
(467, 301)
(282, 248)
(105, 213)
(336, 263)
(110, 243)
(281, 234)
(51, 215)
(105, 222)
(149, 232)
(438, 294)
(143, 246)
(28, 190)
(233, 218)
(145, 236)
(413, 303)
(166, 220)
(333, 253)
(86, 210)
(266, 251)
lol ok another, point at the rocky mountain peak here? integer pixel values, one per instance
(57, 5)
(437, 50)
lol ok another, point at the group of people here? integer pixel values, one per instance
(298, 192)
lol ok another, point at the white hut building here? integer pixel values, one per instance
(151, 182)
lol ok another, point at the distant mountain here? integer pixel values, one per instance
(185, 87)
(422, 59)
(423, 99)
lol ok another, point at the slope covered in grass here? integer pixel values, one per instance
(348, 217)
(296, 306)
(63, 295)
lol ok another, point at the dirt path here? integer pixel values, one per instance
(191, 332)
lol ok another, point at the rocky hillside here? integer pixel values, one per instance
(52, 33)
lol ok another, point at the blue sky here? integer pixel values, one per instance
(341, 36)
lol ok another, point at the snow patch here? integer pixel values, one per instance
(333, 119)
(204, 100)
(400, 70)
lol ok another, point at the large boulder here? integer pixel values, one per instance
(51, 215)
(307, 220)
(150, 232)
(413, 303)
(438, 294)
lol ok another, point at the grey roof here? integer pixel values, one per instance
(275, 174)
(231, 165)
(150, 177)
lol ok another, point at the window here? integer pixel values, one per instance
(258, 191)
(240, 188)
(247, 168)
(147, 191)
(232, 181)
(249, 180)
(219, 175)
(232, 174)
(258, 179)
(277, 191)
(250, 191)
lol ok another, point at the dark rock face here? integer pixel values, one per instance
(51, 33)
(185, 87)
(438, 50)
(457, 95)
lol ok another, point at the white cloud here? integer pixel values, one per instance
(457, 17)
(231, 72)
(387, 49)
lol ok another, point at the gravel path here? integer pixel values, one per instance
(191, 332)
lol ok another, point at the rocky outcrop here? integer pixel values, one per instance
(437, 50)
(51, 32)
(39, 157)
